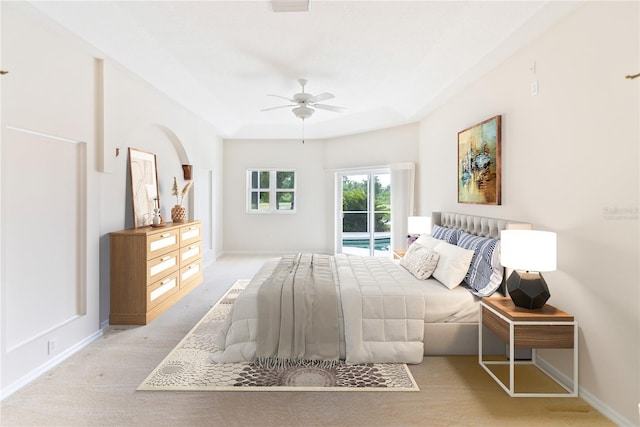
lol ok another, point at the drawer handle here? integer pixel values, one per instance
(165, 235)
(164, 282)
(192, 247)
(192, 266)
(165, 258)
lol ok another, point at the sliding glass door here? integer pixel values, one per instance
(366, 213)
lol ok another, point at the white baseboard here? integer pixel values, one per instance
(26, 379)
(592, 400)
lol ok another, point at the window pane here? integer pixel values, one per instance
(355, 237)
(383, 222)
(264, 200)
(284, 200)
(382, 192)
(254, 179)
(264, 179)
(254, 200)
(285, 180)
(355, 223)
(381, 244)
(354, 193)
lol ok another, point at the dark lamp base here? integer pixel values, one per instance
(528, 290)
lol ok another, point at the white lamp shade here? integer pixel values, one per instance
(528, 250)
(419, 225)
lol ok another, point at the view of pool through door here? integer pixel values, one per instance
(366, 213)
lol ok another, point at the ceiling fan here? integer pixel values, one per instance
(305, 103)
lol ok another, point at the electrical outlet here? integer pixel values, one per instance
(52, 346)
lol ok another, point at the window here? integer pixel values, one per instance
(271, 191)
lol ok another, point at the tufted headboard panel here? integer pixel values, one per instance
(477, 225)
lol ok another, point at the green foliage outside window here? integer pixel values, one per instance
(354, 199)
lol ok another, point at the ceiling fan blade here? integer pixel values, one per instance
(329, 108)
(321, 97)
(283, 97)
(281, 106)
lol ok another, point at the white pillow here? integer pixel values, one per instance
(420, 261)
(428, 241)
(453, 264)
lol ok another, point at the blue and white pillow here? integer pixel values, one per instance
(485, 273)
(449, 235)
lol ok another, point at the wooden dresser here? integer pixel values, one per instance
(151, 269)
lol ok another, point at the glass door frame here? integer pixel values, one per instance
(371, 204)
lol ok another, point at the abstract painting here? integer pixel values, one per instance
(479, 163)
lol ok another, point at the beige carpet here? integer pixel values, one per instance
(189, 368)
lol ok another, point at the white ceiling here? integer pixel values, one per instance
(388, 62)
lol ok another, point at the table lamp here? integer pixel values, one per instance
(417, 225)
(528, 252)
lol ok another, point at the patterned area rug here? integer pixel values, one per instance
(189, 368)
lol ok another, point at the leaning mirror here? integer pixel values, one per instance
(144, 186)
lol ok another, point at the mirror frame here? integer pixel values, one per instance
(143, 171)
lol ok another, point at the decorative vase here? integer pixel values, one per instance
(156, 216)
(178, 214)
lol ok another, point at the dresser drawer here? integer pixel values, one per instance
(190, 273)
(162, 289)
(190, 234)
(161, 243)
(162, 265)
(190, 253)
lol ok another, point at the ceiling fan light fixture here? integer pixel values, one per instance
(303, 112)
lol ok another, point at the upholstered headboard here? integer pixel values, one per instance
(477, 225)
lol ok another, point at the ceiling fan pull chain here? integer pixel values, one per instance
(303, 131)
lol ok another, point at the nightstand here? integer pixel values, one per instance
(399, 253)
(546, 327)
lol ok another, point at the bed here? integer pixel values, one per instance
(461, 337)
(387, 312)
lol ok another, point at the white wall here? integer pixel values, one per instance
(303, 230)
(136, 115)
(73, 108)
(383, 147)
(570, 165)
(311, 228)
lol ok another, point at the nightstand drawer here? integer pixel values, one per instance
(530, 336)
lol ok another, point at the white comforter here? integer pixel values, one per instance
(382, 315)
